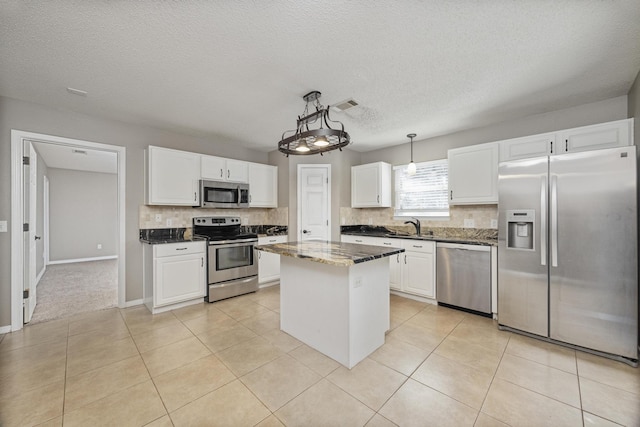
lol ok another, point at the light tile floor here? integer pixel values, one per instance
(228, 364)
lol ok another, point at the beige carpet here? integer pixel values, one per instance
(69, 289)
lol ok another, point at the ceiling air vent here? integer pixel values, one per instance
(344, 105)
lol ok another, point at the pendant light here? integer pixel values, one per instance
(305, 140)
(411, 168)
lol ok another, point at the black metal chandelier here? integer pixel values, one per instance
(306, 141)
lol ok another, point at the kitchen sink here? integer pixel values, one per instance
(397, 233)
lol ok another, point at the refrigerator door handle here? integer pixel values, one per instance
(543, 220)
(554, 221)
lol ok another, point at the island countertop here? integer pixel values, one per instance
(333, 253)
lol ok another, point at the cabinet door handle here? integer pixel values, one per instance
(221, 173)
(386, 243)
(566, 145)
(195, 197)
(398, 259)
(405, 258)
(358, 241)
(228, 172)
(551, 142)
(451, 195)
(259, 254)
(201, 262)
(417, 246)
(181, 249)
(378, 198)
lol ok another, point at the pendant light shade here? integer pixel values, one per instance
(411, 168)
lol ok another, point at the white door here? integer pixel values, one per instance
(29, 244)
(314, 202)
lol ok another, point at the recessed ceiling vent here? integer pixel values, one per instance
(345, 105)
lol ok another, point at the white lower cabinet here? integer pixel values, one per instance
(412, 271)
(418, 269)
(174, 275)
(268, 263)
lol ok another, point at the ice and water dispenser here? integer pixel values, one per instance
(520, 229)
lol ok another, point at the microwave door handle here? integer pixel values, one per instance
(239, 195)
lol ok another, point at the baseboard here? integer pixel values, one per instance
(69, 261)
(44, 268)
(133, 303)
(5, 329)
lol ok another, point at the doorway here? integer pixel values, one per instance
(314, 202)
(21, 267)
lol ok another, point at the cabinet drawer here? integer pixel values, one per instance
(173, 249)
(270, 240)
(419, 246)
(362, 240)
(389, 243)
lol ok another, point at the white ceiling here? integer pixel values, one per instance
(76, 158)
(239, 68)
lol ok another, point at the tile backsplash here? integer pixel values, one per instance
(177, 216)
(480, 214)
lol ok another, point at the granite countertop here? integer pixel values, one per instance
(159, 236)
(449, 235)
(333, 253)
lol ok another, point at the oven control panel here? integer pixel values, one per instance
(216, 220)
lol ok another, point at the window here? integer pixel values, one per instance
(424, 194)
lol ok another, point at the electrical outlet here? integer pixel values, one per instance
(158, 218)
(3, 226)
(494, 223)
(169, 222)
(99, 245)
(370, 221)
(358, 282)
(469, 223)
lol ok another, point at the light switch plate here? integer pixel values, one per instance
(469, 223)
(494, 223)
(3, 226)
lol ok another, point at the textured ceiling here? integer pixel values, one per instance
(75, 158)
(238, 69)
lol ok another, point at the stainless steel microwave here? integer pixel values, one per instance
(220, 194)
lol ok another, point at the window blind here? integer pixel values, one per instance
(425, 193)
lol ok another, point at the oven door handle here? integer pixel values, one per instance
(237, 242)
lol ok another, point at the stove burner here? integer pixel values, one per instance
(217, 228)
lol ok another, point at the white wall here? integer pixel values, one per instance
(83, 213)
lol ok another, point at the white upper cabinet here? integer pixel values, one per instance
(171, 177)
(585, 138)
(371, 185)
(595, 137)
(473, 174)
(221, 169)
(527, 147)
(263, 186)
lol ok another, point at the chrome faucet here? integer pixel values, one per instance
(416, 224)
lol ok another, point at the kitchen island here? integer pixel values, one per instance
(334, 296)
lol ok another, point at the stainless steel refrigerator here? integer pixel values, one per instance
(567, 249)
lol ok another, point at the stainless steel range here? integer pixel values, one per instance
(232, 266)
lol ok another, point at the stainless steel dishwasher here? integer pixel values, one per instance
(463, 276)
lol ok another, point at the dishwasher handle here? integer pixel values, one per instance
(464, 246)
